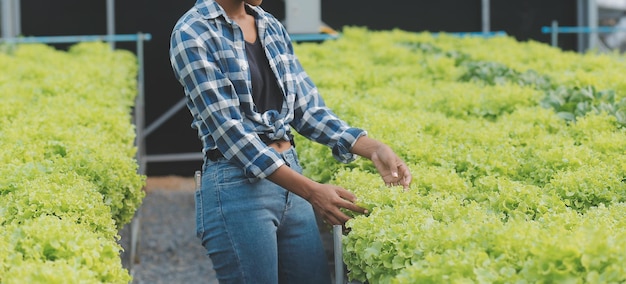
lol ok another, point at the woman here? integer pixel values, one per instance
(246, 91)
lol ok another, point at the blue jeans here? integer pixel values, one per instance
(258, 232)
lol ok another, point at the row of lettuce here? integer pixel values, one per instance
(68, 180)
(517, 151)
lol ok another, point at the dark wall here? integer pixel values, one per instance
(522, 19)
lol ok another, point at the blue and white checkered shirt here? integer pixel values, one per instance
(208, 56)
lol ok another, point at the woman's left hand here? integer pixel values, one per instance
(391, 168)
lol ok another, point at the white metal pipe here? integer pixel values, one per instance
(580, 21)
(140, 141)
(111, 21)
(7, 19)
(592, 10)
(139, 107)
(17, 19)
(554, 35)
(174, 157)
(486, 16)
(339, 273)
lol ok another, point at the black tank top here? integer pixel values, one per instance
(265, 91)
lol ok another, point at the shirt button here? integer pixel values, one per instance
(244, 67)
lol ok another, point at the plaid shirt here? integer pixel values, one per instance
(208, 56)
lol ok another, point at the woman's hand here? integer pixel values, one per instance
(327, 201)
(391, 168)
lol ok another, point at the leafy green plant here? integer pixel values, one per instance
(505, 190)
(69, 180)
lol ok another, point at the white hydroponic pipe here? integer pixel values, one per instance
(111, 21)
(337, 233)
(486, 16)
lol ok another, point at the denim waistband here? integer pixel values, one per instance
(289, 156)
(215, 154)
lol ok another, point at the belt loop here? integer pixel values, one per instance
(291, 139)
(282, 155)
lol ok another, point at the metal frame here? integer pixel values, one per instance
(11, 19)
(588, 30)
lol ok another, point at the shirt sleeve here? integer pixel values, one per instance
(314, 120)
(214, 103)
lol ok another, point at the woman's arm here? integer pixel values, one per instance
(327, 199)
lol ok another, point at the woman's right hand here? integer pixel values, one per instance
(327, 201)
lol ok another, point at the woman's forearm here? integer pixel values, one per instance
(326, 199)
(366, 146)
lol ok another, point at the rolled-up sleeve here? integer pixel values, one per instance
(342, 149)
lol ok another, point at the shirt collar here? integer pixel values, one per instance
(209, 9)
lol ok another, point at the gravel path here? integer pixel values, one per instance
(168, 250)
